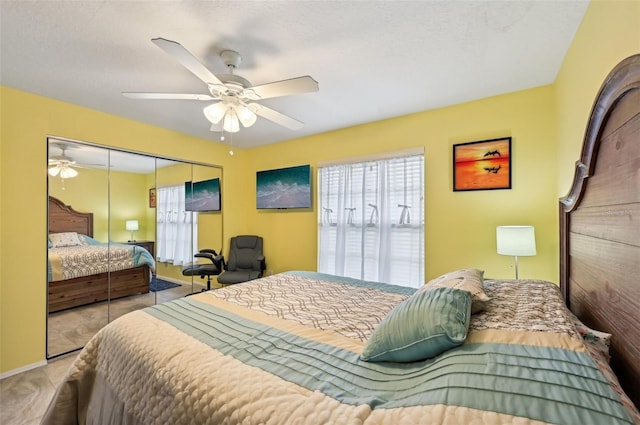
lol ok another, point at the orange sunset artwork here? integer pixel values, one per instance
(482, 165)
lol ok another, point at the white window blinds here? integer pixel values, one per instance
(371, 220)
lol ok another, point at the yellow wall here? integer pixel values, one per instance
(460, 226)
(609, 33)
(547, 125)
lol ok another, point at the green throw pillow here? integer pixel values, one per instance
(423, 326)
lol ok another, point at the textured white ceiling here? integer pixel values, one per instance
(373, 59)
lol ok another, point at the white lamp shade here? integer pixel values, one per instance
(230, 113)
(246, 116)
(67, 173)
(53, 170)
(231, 123)
(132, 224)
(215, 112)
(516, 240)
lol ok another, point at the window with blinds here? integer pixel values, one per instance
(371, 220)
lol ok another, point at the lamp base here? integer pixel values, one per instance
(133, 240)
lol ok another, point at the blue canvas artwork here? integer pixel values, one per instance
(284, 188)
(203, 196)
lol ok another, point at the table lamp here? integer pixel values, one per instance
(132, 225)
(516, 241)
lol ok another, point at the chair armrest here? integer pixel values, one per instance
(206, 255)
(209, 251)
(262, 263)
(218, 260)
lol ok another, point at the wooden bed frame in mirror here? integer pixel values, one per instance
(600, 224)
(89, 289)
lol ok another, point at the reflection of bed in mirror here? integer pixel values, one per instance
(79, 283)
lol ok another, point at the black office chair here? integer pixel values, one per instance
(246, 260)
(208, 270)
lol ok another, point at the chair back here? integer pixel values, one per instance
(244, 253)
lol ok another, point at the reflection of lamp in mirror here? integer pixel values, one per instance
(132, 226)
(516, 241)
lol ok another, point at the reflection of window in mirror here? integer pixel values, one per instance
(175, 241)
(189, 219)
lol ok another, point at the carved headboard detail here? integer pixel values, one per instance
(63, 218)
(600, 224)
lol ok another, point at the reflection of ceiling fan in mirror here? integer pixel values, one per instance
(62, 164)
(65, 165)
(234, 97)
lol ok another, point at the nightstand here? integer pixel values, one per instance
(148, 245)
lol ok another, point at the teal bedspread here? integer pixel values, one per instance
(285, 349)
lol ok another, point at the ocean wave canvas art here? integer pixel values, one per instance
(203, 196)
(284, 188)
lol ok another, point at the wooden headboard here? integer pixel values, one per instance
(63, 218)
(600, 223)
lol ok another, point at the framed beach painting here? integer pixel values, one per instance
(482, 165)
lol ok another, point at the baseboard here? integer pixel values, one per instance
(22, 369)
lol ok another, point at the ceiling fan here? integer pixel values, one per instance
(62, 164)
(233, 96)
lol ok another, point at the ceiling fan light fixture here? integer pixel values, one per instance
(215, 112)
(231, 123)
(230, 113)
(64, 170)
(53, 170)
(246, 116)
(68, 173)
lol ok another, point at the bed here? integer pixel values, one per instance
(304, 347)
(84, 283)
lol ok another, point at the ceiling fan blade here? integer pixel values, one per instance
(167, 96)
(275, 116)
(297, 85)
(61, 160)
(187, 60)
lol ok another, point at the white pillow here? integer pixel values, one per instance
(59, 240)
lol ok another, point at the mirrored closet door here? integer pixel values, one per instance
(122, 226)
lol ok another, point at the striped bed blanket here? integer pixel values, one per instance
(86, 260)
(285, 349)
